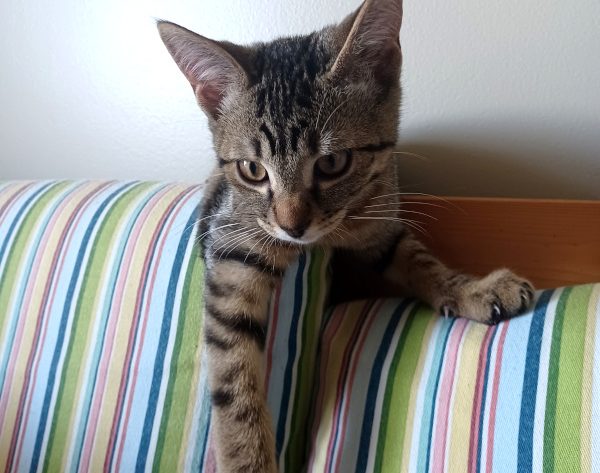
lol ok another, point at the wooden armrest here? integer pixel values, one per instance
(552, 242)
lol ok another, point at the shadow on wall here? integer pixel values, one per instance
(489, 168)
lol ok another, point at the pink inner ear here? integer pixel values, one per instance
(210, 96)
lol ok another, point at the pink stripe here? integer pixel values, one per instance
(12, 199)
(441, 430)
(494, 402)
(340, 382)
(107, 350)
(181, 200)
(65, 239)
(38, 252)
(478, 396)
(347, 389)
(338, 315)
(210, 463)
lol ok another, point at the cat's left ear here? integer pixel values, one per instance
(370, 42)
(210, 66)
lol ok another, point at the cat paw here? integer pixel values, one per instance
(498, 296)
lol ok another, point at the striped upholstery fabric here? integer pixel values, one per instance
(100, 330)
(101, 361)
(402, 390)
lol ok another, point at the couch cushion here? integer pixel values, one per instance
(404, 390)
(100, 331)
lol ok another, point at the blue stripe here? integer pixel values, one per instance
(17, 218)
(484, 396)
(63, 327)
(101, 337)
(351, 343)
(373, 389)
(206, 416)
(152, 252)
(532, 364)
(449, 325)
(292, 348)
(157, 378)
(11, 329)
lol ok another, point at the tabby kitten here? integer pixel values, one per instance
(304, 129)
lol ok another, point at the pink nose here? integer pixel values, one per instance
(292, 214)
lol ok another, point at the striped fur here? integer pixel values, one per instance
(304, 129)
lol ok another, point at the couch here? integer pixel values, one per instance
(101, 355)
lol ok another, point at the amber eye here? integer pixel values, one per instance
(252, 171)
(333, 165)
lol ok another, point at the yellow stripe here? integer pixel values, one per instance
(10, 190)
(333, 369)
(414, 392)
(104, 274)
(125, 316)
(462, 404)
(25, 345)
(586, 386)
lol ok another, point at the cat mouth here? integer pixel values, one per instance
(311, 236)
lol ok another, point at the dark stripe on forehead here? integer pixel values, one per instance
(257, 148)
(295, 132)
(379, 147)
(270, 138)
(281, 143)
(313, 142)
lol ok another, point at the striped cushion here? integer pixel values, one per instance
(100, 355)
(100, 320)
(403, 390)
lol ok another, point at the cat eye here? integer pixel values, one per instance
(252, 171)
(333, 165)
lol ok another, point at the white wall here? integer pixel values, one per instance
(501, 97)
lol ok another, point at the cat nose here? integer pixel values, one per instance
(292, 214)
(296, 232)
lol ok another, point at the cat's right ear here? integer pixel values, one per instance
(212, 71)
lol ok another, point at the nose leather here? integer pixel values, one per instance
(292, 214)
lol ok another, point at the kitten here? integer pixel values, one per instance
(304, 129)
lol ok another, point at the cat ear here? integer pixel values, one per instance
(208, 65)
(370, 41)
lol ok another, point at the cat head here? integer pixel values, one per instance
(303, 127)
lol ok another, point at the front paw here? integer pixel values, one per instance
(499, 296)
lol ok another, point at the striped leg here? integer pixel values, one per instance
(237, 298)
(498, 296)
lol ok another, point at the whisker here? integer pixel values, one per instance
(229, 234)
(200, 237)
(405, 221)
(345, 230)
(244, 240)
(243, 233)
(254, 246)
(232, 244)
(401, 210)
(402, 202)
(415, 155)
(422, 194)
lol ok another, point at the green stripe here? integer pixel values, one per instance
(184, 365)
(403, 377)
(567, 440)
(21, 245)
(551, 396)
(79, 335)
(297, 451)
